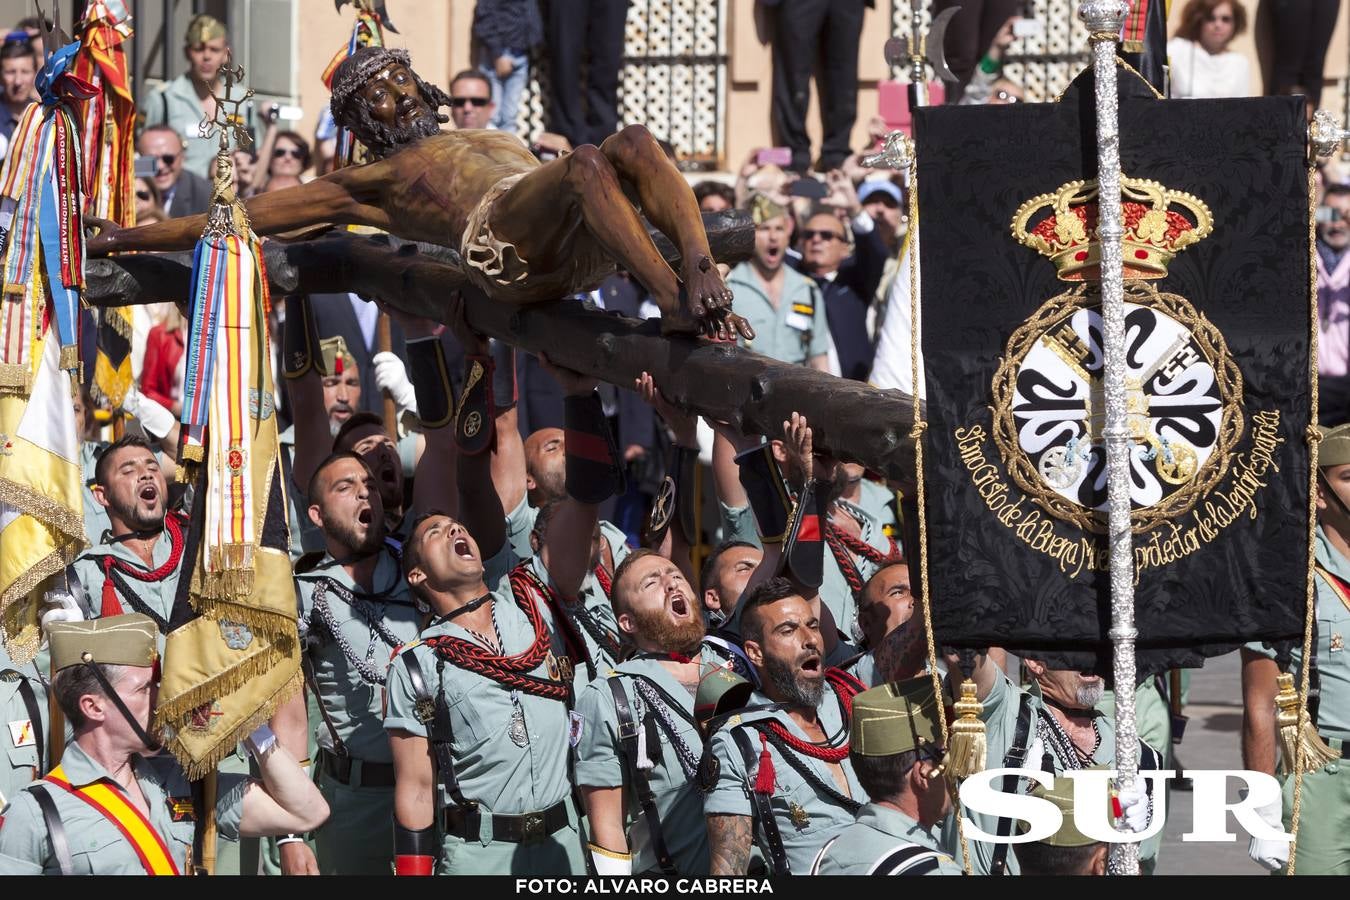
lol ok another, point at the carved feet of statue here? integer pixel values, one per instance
(705, 304)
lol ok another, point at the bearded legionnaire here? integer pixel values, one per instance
(638, 739)
(355, 611)
(110, 809)
(477, 707)
(895, 745)
(1068, 851)
(780, 775)
(135, 565)
(1323, 838)
(527, 232)
(1053, 725)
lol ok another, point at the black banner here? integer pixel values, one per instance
(1217, 354)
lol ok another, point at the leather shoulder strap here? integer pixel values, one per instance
(763, 805)
(34, 711)
(1016, 756)
(56, 831)
(642, 786)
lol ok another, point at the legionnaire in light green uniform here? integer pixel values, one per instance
(1057, 720)
(894, 742)
(109, 810)
(638, 743)
(782, 777)
(95, 516)
(23, 708)
(1068, 851)
(353, 615)
(1324, 816)
(503, 805)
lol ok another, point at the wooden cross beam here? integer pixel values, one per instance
(853, 420)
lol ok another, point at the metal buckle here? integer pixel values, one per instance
(532, 827)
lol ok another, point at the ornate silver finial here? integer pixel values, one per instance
(1325, 134)
(896, 153)
(1103, 17)
(226, 123)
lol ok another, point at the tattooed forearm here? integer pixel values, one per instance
(729, 837)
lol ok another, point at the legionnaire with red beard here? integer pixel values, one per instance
(355, 611)
(638, 741)
(783, 777)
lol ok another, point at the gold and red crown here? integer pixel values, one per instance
(1159, 223)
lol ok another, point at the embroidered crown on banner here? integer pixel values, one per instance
(1159, 223)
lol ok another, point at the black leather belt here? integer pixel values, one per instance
(367, 774)
(524, 829)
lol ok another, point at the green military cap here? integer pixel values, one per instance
(762, 209)
(895, 718)
(1335, 447)
(719, 692)
(336, 357)
(1061, 795)
(127, 640)
(203, 28)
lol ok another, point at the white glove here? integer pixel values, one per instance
(392, 376)
(1272, 855)
(1134, 810)
(607, 862)
(155, 419)
(59, 606)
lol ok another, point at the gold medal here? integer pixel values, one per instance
(800, 817)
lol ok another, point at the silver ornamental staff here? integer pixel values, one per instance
(920, 51)
(1104, 19)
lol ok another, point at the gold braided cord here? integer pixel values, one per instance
(1314, 438)
(916, 434)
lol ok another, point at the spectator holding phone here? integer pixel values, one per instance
(1201, 63)
(978, 25)
(987, 84)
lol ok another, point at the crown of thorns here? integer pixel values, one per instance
(357, 69)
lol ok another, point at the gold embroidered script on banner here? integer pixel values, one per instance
(1077, 552)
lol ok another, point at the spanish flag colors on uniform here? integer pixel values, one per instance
(42, 265)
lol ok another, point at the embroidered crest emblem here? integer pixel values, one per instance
(472, 423)
(234, 460)
(204, 717)
(260, 404)
(1337, 641)
(424, 708)
(6, 445)
(21, 733)
(180, 809)
(575, 724)
(236, 635)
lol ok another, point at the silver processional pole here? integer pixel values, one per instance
(1104, 19)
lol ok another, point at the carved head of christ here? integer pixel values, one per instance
(382, 100)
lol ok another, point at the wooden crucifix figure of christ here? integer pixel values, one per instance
(527, 231)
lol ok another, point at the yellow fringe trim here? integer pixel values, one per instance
(200, 767)
(56, 516)
(16, 378)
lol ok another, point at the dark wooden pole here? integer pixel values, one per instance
(754, 393)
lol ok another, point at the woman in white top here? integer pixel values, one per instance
(1201, 63)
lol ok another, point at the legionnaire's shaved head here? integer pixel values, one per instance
(363, 88)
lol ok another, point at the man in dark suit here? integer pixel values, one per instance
(184, 193)
(847, 282)
(585, 109)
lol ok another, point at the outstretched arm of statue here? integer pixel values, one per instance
(729, 839)
(1259, 674)
(345, 197)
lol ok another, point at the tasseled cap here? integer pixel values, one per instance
(126, 640)
(1334, 449)
(895, 718)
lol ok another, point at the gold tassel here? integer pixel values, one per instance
(1316, 753)
(968, 744)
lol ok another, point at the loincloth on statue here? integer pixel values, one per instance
(497, 268)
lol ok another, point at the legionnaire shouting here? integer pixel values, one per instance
(639, 744)
(894, 743)
(784, 777)
(1323, 838)
(108, 808)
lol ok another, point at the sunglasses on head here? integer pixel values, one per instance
(292, 152)
(461, 102)
(809, 233)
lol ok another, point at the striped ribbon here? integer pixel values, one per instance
(225, 352)
(113, 805)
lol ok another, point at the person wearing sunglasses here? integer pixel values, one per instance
(290, 157)
(18, 67)
(183, 193)
(471, 103)
(1202, 65)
